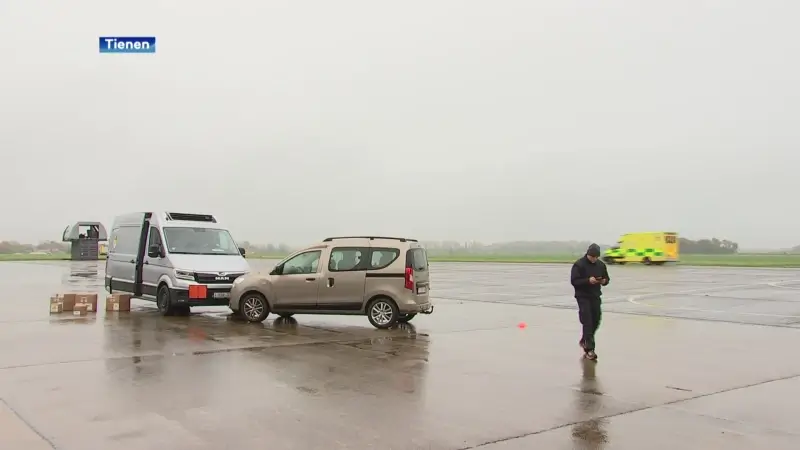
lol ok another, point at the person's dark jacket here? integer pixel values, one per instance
(582, 270)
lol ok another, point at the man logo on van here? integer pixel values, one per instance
(222, 278)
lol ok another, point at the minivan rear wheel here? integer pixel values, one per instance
(382, 313)
(405, 318)
(253, 307)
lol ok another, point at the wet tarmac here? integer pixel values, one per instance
(689, 358)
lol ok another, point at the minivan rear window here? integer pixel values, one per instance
(418, 259)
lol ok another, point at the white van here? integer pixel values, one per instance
(178, 260)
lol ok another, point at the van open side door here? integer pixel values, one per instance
(137, 283)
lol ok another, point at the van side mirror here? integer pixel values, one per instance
(242, 251)
(278, 270)
(154, 251)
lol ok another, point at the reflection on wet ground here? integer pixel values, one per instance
(692, 358)
(589, 433)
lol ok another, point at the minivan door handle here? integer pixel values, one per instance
(330, 282)
(311, 279)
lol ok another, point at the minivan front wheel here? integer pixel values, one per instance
(254, 307)
(382, 313)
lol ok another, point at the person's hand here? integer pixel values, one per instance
(593, 280)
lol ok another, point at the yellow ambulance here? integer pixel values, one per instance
(656, 248)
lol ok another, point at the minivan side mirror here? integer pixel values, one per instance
(242, 251)
(154, 251)
(277, 270)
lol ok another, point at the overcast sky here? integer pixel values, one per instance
(446, 119)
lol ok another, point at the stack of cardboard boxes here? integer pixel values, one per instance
(80, 304)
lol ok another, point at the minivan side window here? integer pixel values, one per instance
(348, 259)
(382, 257)
(125, 240)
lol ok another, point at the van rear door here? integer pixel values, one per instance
(417, 262)
(671, 249)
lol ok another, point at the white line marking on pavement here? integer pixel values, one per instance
(636, 299)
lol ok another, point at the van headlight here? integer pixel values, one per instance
(238, 280)
(184, 275)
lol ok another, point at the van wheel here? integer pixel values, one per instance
(164, 301)
(646, 261)
(382, 313)
(254, 307)
(405, 318)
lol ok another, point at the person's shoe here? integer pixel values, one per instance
(590, 355)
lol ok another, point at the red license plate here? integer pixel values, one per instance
(198, 291)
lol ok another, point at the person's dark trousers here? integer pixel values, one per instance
(589, 312)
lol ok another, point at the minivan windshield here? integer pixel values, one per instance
(199, 241)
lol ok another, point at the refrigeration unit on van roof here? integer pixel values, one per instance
(189, 217)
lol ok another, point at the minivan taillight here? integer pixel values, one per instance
(409, 278)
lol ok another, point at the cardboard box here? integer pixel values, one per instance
(68, 300)
(81, 309)
(118, 302)
(87, 299)
(56, 308)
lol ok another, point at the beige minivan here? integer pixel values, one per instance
(384, 278)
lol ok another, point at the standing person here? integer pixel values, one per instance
(588, 275)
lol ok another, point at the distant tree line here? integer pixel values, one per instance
(713, 246)
(268, 249)
(11, 247)
(513, 248)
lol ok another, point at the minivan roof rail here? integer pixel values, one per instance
(372, 238)
(188, 217)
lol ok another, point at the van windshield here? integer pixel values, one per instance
(199, 241)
